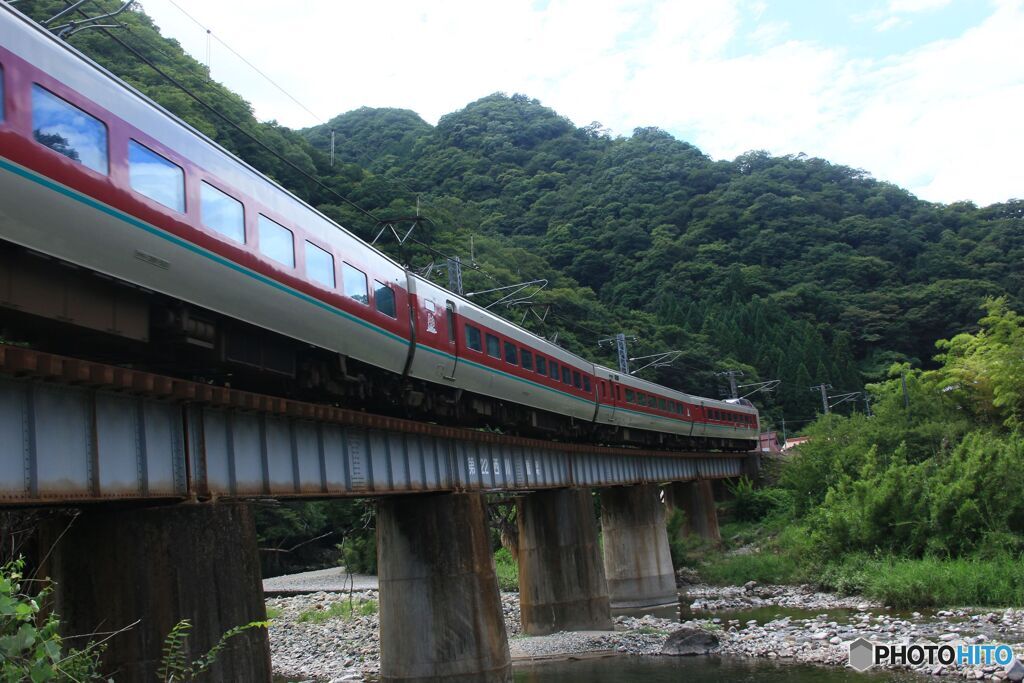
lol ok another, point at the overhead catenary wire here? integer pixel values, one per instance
(389, 179)
(235, 125)
(252, 66)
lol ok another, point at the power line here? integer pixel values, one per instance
(233, 124)
(394, 181)
(245, 61)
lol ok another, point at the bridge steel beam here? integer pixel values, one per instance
(562, 585)
(440, 610)
(637, 560)
(144, 570)
(75, 431)
(697, 501)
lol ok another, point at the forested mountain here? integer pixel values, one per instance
(788, 268)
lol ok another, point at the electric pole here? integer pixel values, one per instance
(734, 391)
(621, 352)
(455, 275)
(867, 403)
(823, 388)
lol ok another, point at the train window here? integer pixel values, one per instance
(661, 404)
(671, 406)
(511, 353)
(553, 367)
(1, 92)
(319, 265)
(630, 396)
(354, 282)
(276, 241)
(223, 213)
(450, 319)
(66, 129)
(586, 384)
(493, 346)
(577, 380)
(384, 299)
(542, 365)
(566, 375)
(527, 359)
(153, 176)
(473, 338)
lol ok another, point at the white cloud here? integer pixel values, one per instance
(941, 120)
(912, 6)
(891, 22)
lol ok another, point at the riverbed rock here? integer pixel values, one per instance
(690, 641)
(1015, 671)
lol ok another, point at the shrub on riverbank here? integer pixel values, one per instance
(919, 505)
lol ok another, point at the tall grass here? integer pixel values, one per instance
(931, 582)
(764, 567)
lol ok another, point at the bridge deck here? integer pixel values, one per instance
(74, 431)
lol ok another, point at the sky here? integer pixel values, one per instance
(926, 94)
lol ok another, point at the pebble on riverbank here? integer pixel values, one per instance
(347, 649)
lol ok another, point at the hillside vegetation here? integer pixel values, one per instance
(918, 505)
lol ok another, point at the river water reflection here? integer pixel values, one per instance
(695, 670)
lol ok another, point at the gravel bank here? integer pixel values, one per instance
(347, 649)
(331, 579)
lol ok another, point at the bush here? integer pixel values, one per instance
(31, 648)
(507, 570)
(751, 504)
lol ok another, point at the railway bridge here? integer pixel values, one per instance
(162, 470)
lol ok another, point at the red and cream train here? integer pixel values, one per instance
(97, 178)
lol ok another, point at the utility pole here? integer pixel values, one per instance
(332, 156)
(867, 403)
(734, 391)
(621, 351)
(784, 437)
(455, 274)
(823, 388)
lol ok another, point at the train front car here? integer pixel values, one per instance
(107, 180)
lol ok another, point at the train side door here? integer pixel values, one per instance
(451, 323)
(613, 390)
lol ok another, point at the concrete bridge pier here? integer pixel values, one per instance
(637, 561)
(562, 584)
(157, 566)
(440, 611)
(697, 500)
